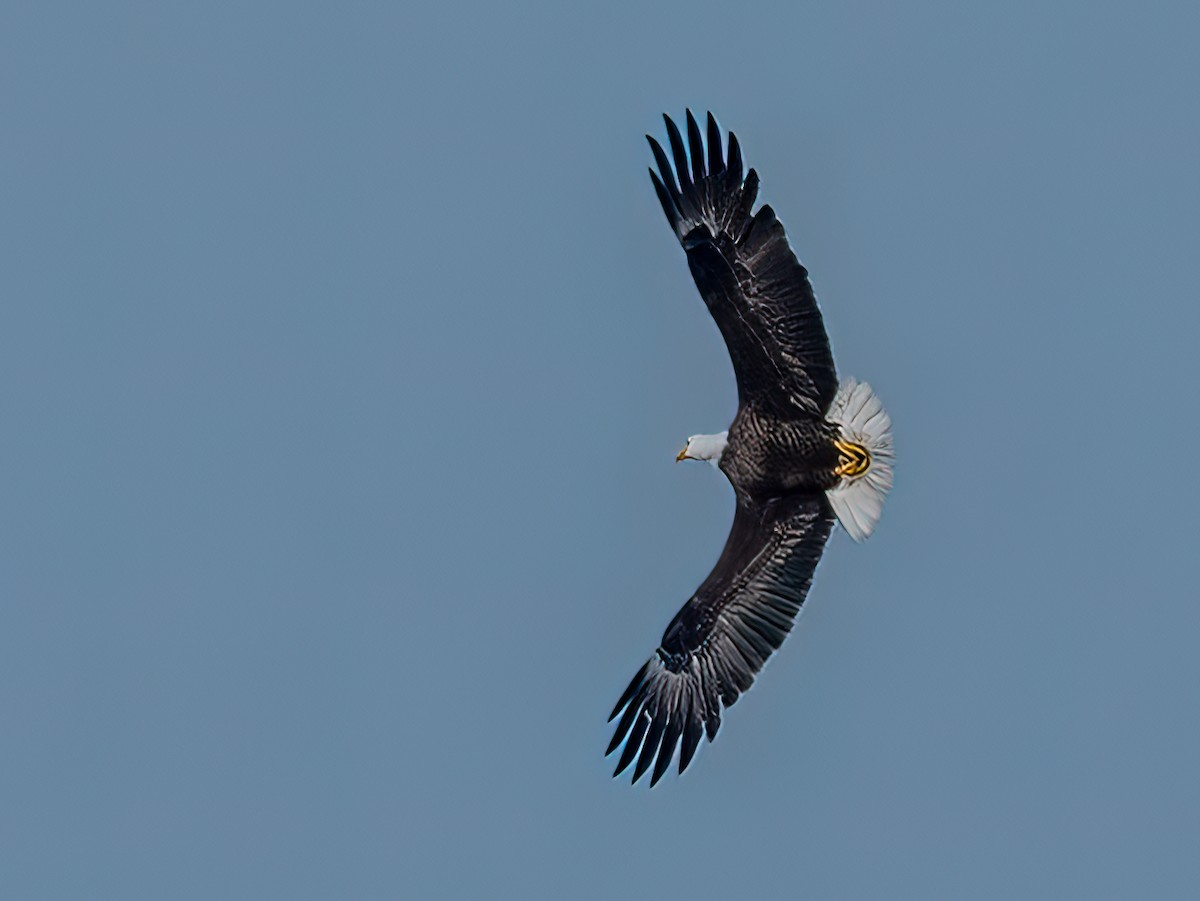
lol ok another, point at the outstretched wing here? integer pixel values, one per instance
(721, 638)
(754, 286)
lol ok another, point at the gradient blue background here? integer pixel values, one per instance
(344, 354)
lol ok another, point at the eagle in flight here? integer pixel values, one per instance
(802, 453)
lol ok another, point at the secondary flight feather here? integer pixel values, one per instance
(801, 454)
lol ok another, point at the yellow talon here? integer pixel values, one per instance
(853, 459)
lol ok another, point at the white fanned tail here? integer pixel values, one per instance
(858, 499)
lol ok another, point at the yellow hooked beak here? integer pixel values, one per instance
(682, 455)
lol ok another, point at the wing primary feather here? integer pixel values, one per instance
(623, 727)
(629, 692)
(678, 151)
(716, 159)
(734, 164)
(692, 733)
(711, 725)
(668, 204)
(635, 742)
(669, 741)
(664, 165)
(686, 189)
(712, 698)
(658, 723)
(696, 145)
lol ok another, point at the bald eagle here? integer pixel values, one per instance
(801, 453)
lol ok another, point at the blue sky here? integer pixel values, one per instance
(344, 355)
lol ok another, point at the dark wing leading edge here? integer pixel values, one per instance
(754, 286)
(721, 638)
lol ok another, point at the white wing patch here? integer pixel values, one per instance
(858, 501)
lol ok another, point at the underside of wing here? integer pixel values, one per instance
(754, 287)
(723, 635)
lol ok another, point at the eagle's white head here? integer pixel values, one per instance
(705, 447)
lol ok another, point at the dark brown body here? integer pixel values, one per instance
(767, 457)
